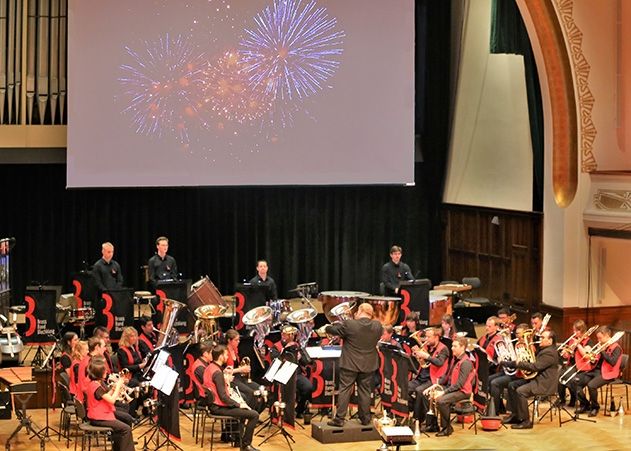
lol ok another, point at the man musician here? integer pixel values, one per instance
(199, 370)
(433, 355)
(358, 362)
(262, 279)
(393, 272)
(106, 271)
(487, 342)
(161, 265)
(289, 349)
(223, 404)
(607, 368)
(545, 382)
(147, 339)
(462, 382)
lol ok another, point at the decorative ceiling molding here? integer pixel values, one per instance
(574, 37)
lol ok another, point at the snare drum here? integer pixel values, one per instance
(331, 299)
(204, 292)
(386, 309)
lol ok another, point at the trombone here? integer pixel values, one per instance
(590, 356)
(569, 346)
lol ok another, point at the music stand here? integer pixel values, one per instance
(164, 380)
(280, 373)
(327, 352)
(22, 393)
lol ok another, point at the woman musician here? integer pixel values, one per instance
(67, 344)
(608, 361)
(569, 352)
(80, 360)
(241, 371)
(130, 359)
(100, 405)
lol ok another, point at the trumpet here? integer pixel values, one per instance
(509, 320)
(423, 347)
(127, 394)
(245, 361)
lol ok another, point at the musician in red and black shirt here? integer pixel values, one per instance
(462, 382)
(67, 344)
(80, 359)
(147, 340)
(199, 368)
(436, 354)
(241, 371)
(129, 356)
(100, 405)
(104, 334)
(607, 368)
(223, 404)
(487, 342)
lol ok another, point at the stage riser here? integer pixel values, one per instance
(350, 432)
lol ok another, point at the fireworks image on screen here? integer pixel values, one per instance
(292, 49)
(228, 93)
(163, 87)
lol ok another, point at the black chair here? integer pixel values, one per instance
(555, 405)
(66, 412)
(88, 430)
(230, 426)
(475, 284)
(465, 408)
(617, 381)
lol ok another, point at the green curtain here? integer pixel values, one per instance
(509, 35)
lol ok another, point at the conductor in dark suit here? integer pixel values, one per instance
(358, 362)
(545, 383)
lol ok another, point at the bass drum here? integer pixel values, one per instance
(331, 299)
(386, 309)
(204, 292)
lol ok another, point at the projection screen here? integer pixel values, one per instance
(241, 92)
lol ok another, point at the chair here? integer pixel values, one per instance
(475, 284)
(465, 408)
(228, 423)
(617, 381)
(66, 412)
(555, 404)
(88, 429)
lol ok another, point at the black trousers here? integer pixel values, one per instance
(249, 416)
(121, 434)
(518, 398)
(593, 380)
(304, 388)
(348, 378)
(512, 401)
(497, 383)
(421, 403)
(444, 404)
(247, 390)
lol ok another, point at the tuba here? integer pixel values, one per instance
(259, 321)
(505, 351)
(303, 320)
(167, 335)
(206, 324)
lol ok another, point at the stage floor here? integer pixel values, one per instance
(606, 434)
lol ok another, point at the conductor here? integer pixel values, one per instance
(358, 362)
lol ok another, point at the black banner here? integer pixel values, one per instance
(85, 290)
(41, 314)
(415, 298)
(393, 372)
(115, 311)
(321, 376)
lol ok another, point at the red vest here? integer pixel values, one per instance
(73, 372)
(436, 372)
(208, 376)
(199, 384)
(581, 363)
(83, 379)
(611, 371)
(146, 341)
(467, 387)
(99, 409)
(132, 357)
(489, 345)
(232, 362)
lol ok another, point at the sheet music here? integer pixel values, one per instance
(285, 372)
(273, 369)
(328, 352)
(164, 379)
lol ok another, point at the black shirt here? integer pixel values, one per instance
(162, 268)
(392, 275)
(269, 284)
(108, 276)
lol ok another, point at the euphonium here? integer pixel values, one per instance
(525, 352)
(432, 393)
(505, 351)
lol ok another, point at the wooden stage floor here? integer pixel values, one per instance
(606, 434)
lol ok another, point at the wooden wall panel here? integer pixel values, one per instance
(501, 247)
